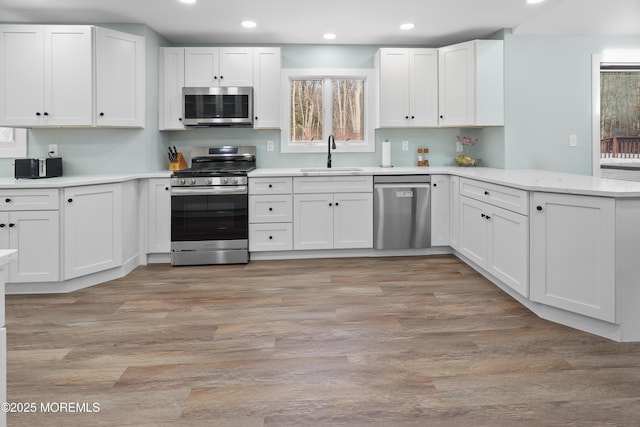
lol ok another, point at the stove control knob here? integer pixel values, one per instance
(209, 180)
(224, 180)
(181, 181)
(234, 180)
(193, 181)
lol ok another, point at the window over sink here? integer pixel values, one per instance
(318, 103)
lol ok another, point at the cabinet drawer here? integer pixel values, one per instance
(29, 200)
(509, 198)
(270, 237)
(276, 208)
(333, 184)
(280, 185)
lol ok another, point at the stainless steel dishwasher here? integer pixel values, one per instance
(401, 211)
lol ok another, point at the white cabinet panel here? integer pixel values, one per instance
(171, 81)
(159, 225)
(471, 84)
(276, 185)
(92, 229)
(120, 79)
(440, 210)
(454, 189)
(267, 65)
(573, 253)
(270, 208)
(408, 87)
(270, 237)
(353, 220)
(313, 221)
(509, 198)
(213, 66)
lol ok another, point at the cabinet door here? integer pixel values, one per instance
(266, 88)
(201, 66)
(36, 236)
(573, 253)
(4, 230)
(508, 257)
(440, 211)
(423, 77)
(353, 220)
(120, 72)
(171, 80)
(457, 84)
(68, 76)
(394, 87)
(159, 226)
(473, 230)
(21, 75)
(313, 221)
(236, 66)
(92, 229)
(454, 200)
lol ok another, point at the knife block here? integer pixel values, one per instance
(179, 165)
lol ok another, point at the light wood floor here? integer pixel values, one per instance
(420, 341)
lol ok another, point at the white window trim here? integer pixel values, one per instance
(370, 86)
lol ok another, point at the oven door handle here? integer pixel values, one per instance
(204, 191)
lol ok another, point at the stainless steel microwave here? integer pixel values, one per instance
(217, 106)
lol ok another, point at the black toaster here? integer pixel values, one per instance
(48, 167)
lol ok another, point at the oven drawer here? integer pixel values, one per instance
(270, 237)
(278, 185)
(277, 208)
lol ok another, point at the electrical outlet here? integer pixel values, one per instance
(573, 140)
(269, 145)
(53, 150)
(405, 145)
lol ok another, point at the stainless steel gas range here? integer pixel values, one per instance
(209, 207)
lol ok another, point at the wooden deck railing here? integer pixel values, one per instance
(620, 147)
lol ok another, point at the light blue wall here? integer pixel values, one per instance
(548, 97)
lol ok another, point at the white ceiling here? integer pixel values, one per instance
(437, 22)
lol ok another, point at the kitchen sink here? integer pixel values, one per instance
(330, 170)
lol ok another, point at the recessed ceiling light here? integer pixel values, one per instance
(407, 26)
(249, 24)
(329, 36)
(534, 1)
(188, 1)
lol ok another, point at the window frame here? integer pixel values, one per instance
(366, 146)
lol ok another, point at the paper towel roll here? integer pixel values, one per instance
(386, 154)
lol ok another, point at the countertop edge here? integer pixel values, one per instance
(73, 181)
(524, 179)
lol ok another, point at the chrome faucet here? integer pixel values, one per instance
(331, 143)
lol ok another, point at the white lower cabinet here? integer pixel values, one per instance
(159, 225)
(36, 236)
(497, 240)
(270, 214)
(454, 211)
(334, 212)
(92, 229)
(573, 258)
(30, 223)
(440, 210)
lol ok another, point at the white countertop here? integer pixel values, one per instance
(73, 181)
(7, 256)
(525, 179)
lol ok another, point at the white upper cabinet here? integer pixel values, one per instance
(408, 87)
(46, 75)
(471, 84)
(218, 66)
(171, 81)
(266, 87)
(120, 79)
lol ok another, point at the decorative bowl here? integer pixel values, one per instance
(467, 161)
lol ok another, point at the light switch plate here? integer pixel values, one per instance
(53, 150)
(269, 145)
(573, 140)
(405, 145)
